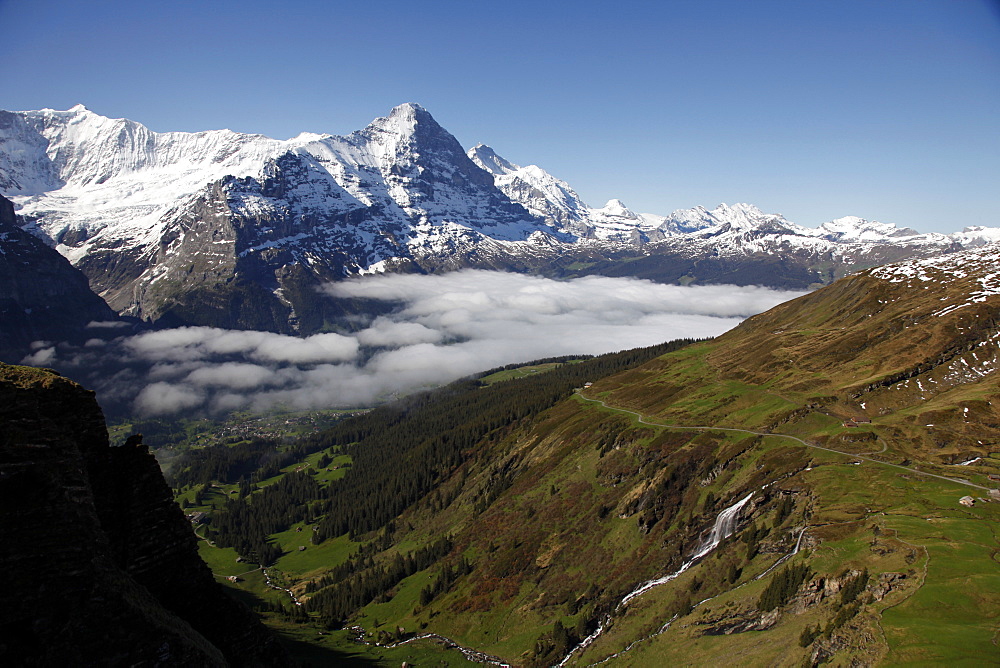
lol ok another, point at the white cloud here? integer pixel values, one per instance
(445, 327)
(203, 343)
(311, 350)
(107, 324)
(164, 398)
(385, 332)
(41, 357)
(234, 375)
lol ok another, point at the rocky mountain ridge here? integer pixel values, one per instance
(234, 230)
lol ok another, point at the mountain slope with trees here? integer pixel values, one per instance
(849, 436)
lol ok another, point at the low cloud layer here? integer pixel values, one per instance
(444, 327)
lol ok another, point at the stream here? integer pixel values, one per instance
(267, 580)
(725, 524)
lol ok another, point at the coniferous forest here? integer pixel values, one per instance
(400, 452)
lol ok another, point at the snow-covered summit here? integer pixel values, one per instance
(542, 194)
(389, 136)
(555, 201)
(84, 148)
(615, 207)
(739, 216)
(76, 171)
(855, 229)
(487, 159)
(728, 225)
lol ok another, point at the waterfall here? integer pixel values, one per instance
(724, 526)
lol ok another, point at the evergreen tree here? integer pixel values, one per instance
(783, 586)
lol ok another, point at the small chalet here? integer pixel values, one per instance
(861, 420)
(850, 423)
(967, 501)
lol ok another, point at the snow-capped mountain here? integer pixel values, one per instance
(81, 174)
(154, 217)
(238, 230)
(555, 201)
(538, 191)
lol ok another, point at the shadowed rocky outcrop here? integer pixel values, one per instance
(100, 566)
(42, 296)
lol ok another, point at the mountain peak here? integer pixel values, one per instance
(855, 229)
(616, 207)
(737, 216)
(486, 158)
(855, 221)
(404, 120)
(408, 110)
(745, 216)
(739, 207)
(412, 114)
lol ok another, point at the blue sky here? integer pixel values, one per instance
(885, 110)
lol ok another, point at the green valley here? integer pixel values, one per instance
(849, 439)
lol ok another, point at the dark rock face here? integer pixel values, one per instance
(101, 566)
(42, 296)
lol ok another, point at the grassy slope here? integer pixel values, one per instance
(538, 551)
(598, 502)
(946, 614)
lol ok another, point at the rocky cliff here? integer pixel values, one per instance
(42, 296)
(101, 566)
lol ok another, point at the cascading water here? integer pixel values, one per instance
(724, 526)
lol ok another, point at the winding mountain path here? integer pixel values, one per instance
(643, 420)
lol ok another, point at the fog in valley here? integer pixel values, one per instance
(442, 327)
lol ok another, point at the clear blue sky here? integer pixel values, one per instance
(888, 110)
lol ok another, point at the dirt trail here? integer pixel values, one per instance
(642, 419)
